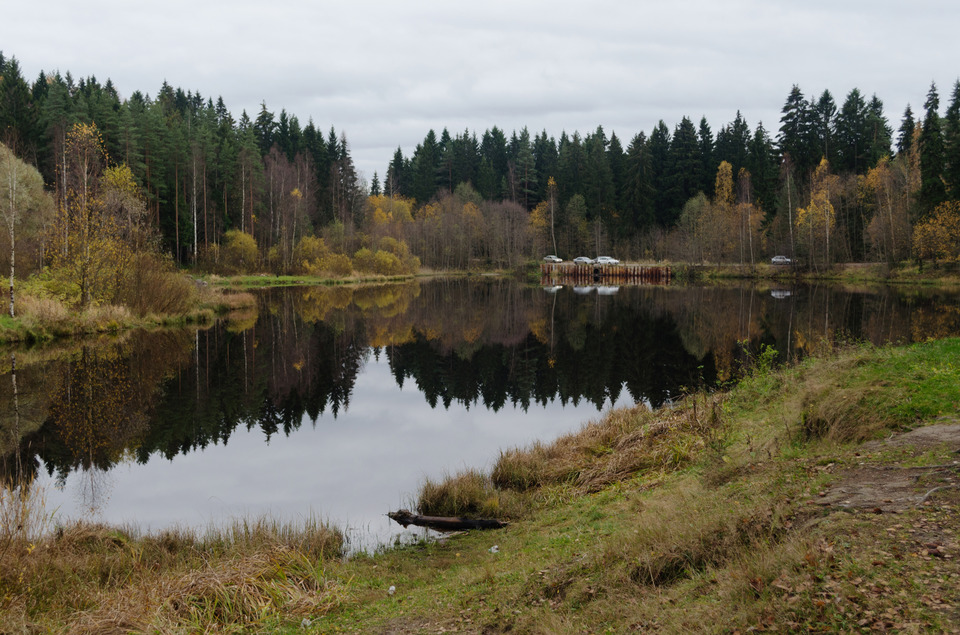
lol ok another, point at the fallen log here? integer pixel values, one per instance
(445, 523)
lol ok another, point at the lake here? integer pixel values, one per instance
(337, 402)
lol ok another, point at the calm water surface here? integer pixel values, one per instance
(338, 403)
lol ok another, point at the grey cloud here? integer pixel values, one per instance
(386, 72)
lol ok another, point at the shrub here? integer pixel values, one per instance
(394, 246)
(309, 250)
(387, 264)
(411, 264)
(239, 251)
(336, 264)
(152, 285)
(363, 260)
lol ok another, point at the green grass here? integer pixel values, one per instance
(265, 280)
(697, 518)
(852, 273)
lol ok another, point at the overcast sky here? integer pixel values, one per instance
(386, 71)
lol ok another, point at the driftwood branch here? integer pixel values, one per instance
(445, 523)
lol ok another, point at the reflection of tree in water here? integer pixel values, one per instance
(94, 403)
(94, 489)
(95, 409)
(596, 354)
(486, 343)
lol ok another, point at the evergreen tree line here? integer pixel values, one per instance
(639, 199)
(201, 171)
(832, 184)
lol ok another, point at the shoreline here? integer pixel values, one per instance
(109, 319)
(727, 508)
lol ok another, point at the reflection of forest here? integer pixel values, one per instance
(479, 342)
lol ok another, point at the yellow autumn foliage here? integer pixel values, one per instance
(938, 237)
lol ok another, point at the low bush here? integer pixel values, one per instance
(387, 264)
(336, 264)
(363, 260)
(152, 285)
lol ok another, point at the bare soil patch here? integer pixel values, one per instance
(894, 488)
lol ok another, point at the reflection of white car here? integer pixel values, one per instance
(780, 260)
(583, 260)
(607, 290)
(552, 258)
(607, 260)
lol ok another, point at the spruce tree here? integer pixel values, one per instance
(659, 147)
(905, 133)
(824, 119)
(18, 113)
(851, 134)
(951, 144)
(545, 160)
(932, 191)
(617, 160)
(879, 131)
(685, 166)
(638, 207)
(426, 161)
(762, 165)
(796, 131)
(265, 128)
(707, 159)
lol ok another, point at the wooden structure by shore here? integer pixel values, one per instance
(569, 272)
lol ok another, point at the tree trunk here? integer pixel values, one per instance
(445, 523)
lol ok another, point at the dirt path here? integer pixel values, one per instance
(893, 488)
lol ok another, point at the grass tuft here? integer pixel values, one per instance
(470, 494)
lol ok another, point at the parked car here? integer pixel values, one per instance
(552, 258)
(607, 260)
(780, 260)
(583, 260)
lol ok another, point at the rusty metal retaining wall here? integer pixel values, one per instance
(552, 273)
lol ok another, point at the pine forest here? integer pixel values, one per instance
(182, 177)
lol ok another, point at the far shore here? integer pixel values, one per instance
(220, 295)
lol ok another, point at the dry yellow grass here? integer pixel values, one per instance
(88, 578)
(41, 310)
(623, 443)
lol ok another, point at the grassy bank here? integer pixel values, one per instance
(882, 273)
(265, 280)
(46, 318)
(255, 281)
(819, 497)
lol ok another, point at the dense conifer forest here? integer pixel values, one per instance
(263, 191)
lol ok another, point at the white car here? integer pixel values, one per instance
(583, 260)
(552, 258)
(780, 260)
(607, 260)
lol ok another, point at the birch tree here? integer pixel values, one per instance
(21, 196)
(816, 221)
